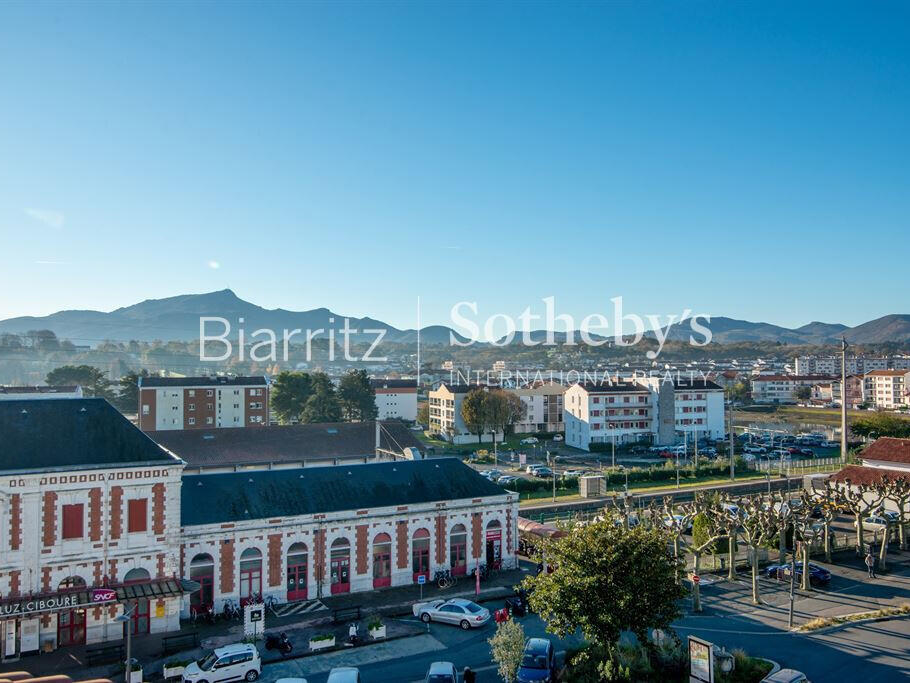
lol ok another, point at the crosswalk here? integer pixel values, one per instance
(300, 607)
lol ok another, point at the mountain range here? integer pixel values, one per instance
(177, 318)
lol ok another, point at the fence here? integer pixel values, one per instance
(797, 467)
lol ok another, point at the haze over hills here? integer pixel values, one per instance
(177, 318)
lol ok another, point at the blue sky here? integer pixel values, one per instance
(741, 159)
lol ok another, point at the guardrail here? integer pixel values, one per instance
(797, 467)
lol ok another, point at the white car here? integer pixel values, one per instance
(457, 611)
(531, 469)
(529, 440)
(785, 676)
(573, 473)
(557, 437)
(755, 450)
(238, 662)
(678, 521)
(344, 674)
(441, 672)
(873, 522)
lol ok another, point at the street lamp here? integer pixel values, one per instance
(125, 619)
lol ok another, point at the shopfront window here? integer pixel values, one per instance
(297, 572)
(420, 554)
(250, 575)
(382, 561)
(458, 548)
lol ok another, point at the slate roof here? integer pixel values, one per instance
(394, 384)
(867, 475)
(887, 449)
(72, 433)
(291, 443)
(151, 382)
(695, 383)
(269, 494)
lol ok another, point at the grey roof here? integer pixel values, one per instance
(695, 383)
(39, 389)
(393, 383)
(267, 494)
(71, 433)
(609, 386)
(218, 381)
(291, 443)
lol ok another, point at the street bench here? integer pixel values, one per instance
(344, 614)
(104, 654)
(185, 641)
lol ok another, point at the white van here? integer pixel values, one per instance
(238, 662)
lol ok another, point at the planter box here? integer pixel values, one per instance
(322, 644)
(377, 632)
(136, 676)
(173, 671)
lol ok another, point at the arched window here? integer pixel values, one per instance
(340, 566)
(458, 549)
(202, 570)
(297, 572)
(494, 544)
(250, 575)
(136, 575)
(71, 583)
(420, 554)
(382, 561)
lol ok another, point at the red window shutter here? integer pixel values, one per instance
(137, 513)
(72, 521)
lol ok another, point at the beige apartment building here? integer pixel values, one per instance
(886, 389)
(543, 407)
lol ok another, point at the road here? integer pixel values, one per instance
(408, 660)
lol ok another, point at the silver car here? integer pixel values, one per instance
(458, 611)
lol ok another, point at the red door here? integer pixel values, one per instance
(341, 574)
(297, 582)
(458, 550)
(139, 619)
(71, 627)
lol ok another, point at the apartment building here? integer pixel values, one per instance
(886, 389)
(396, 398)
(89, 527)
(855, 391)
(596, 412)
(543, 407)
(831, 365)
(444, 405)
(783, 388)
(202, 402)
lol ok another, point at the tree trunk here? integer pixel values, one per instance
(782, 544)
(731, 556)
(859, 534)
(900, 530)
(883, 553)
(827, 541)
(804, 549)
(755, 595)
(696, 595)
(676, 555)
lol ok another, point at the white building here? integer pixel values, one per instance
(445, 414)
(202, 402)
(396, 398)
(601, 412)
(831, 365)
(39, 392)
(886, 389)
(543, 407)
(783, 388)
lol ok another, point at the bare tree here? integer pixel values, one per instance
(708, 508)
(827, 501)
(677, 521)
(758, 527)
(861, 499)
(806, 531)
(897, 490)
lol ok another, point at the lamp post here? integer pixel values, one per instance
(125, 619)
(613, 436)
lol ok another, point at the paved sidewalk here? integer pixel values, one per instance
(388, 603)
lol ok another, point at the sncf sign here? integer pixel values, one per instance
(103, 594)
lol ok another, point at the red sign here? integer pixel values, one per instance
(695, 578)
(103, 594)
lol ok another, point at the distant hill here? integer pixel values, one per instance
(177, 318)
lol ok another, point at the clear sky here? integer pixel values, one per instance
(740, 159)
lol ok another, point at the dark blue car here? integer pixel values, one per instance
(538, 664)
(818, 576)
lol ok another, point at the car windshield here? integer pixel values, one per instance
(533, 661)
(440, 678)
(473, 607)
(207, 662)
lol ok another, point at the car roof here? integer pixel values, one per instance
(343, 674)
(460, 601)
(785, 676)
(233, 649)
(441, 668)
(537, 645)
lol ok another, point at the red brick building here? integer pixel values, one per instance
(170, 403)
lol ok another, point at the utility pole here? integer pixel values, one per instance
(732, 443)
(613, 435)
(843, 400)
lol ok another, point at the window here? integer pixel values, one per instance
(73, 521)
(192, 392)
(145, 408)
(209, 406)
(192, 406)
(208, 420)
(137, 515)
(191, 420)
(209, 392)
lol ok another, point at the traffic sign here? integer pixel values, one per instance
(695, 578)
(422, 579)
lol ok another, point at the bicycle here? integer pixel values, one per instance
(444, 578)
(270, 603)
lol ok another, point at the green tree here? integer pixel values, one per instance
(423, 414)
(474, 412)
(323, 404)
(874, 426)
(357, 397)
(503, 410)
(507, 647)
(608, 579)
(127, 400)
(91, 379)
(290, 392)
(803, 393)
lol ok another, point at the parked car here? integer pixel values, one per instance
(786, 676)
(237, 662)
(507, 479)
(441, 672)
(757, 450)
(748, 457)
(457, 611)
(538, 663)
(344, 674)
(543, 472)
(873, 522)
(491, 474)
(557, 437)
(793, 450)
(831, 444)
(573, 473)
(709, 451)
(529, 440)
(530, 468)
(818, 576)
(678, 520)
(806, 451)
